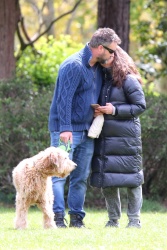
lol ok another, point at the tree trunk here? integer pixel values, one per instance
(9, 17)
(115, 14)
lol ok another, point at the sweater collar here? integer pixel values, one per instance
(87, 55)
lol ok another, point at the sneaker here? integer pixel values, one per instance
(134, 223)
(76, 221)
(59, 220)
(112, 223)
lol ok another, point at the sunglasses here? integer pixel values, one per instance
(109, 50)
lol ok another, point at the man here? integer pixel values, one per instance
(78, 86)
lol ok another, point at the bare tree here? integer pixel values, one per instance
(27, 41)
(44, 17)
(12, 21)
(115, 14)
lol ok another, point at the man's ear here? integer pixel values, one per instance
(100, 48)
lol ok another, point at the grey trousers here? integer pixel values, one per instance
(113, 202)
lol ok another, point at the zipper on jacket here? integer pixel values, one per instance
(107, 94)
(94, 70)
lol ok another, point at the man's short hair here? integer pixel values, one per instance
(104, 36)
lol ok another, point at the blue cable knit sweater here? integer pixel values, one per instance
(78, 86)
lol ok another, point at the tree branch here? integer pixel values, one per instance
(22, 43)
(24, 30)
(55, 20)
(30, 41)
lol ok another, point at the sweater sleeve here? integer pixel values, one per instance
(69, 78)
(136, 103)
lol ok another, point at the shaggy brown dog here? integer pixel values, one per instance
(32, 180)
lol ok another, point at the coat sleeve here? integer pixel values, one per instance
(136, 103)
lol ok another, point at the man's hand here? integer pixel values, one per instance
(66, 136)
(97, 112)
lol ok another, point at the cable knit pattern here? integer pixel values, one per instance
(78, 86)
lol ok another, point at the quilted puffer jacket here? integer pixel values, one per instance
(117, 159)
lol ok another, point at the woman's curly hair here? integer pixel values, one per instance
(123, 65)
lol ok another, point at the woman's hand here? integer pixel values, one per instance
(108, 109)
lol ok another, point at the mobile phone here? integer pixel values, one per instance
(95, 106)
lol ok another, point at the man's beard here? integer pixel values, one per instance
(102, 61)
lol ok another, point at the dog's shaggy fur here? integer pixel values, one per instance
(32, 180)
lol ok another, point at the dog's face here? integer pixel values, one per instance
(60, 164)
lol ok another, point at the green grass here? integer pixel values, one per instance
(152, 235)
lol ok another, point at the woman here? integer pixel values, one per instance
(117, 160)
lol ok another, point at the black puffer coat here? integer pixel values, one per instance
(117, 159)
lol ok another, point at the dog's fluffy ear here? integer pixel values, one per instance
(58, 156)
(54, 158)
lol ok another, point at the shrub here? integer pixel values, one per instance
(154, 136)
(25, 106)
(41, 65)
(23, 128)
(24, 110)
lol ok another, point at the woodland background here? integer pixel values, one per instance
(36, 36)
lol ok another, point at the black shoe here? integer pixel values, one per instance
(112, 223)
(134, 223)
(59, 220)
(76, 221)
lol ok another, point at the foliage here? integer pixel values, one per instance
(25, 106)
(54, 17)
(24, 115)
(94, 236)
(148, 23)
(41, 65)
(23, 127)
(148, 35)
(154, 138)
(76, 24)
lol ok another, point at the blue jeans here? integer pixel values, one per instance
(81, 154)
